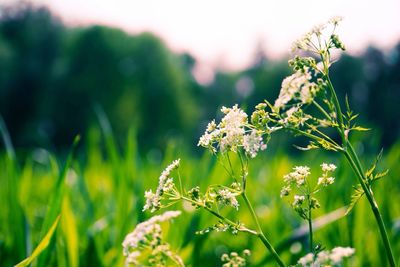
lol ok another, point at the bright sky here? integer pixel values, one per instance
(225, 33)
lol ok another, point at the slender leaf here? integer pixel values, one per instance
(56, 199)
(358, 193)
(42, 245)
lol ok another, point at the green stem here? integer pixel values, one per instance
(337, 107)
(327, 138)
(309, 219)
(354, 161)
(314, 137)
(260, 233)
(219, 216)
(322, 110)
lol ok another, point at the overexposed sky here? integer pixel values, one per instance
(224, 33)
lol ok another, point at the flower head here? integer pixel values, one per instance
(252, 143)
(298, 87)
(165, 184)
(227, 197)
(147, 235)
(325, 179)
(234, 259)
(326, 257)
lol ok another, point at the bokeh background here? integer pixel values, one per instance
(139, 82)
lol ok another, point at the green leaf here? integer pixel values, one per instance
(358, 193)
(347, 104)
(370, 172)
(70, 233)
(55, 203)
(42, 245)
(326, 145)
(353, 117)
(7, 140)
(310, 146)
(360, 129)
(379, 175)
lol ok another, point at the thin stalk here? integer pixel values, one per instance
(310, 229)
(357, 168)
(337, 107)
(219, 216)
(327, 138)
(335, 98)
(260, 233)
(244, 172)
(180, 183)
(314, 137)
(322, 110)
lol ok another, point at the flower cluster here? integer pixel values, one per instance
(232, 133)
(326, 258)
(234, 259)
(311, 41)
(222, 195)
(165, 185)
(227, 197)
(222, 227)
(308, 84)
(146, 240)
(298, 87)
(303, 199)
(252, 143)
(325, 180)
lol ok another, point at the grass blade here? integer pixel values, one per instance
(41, 246)
(56, 199)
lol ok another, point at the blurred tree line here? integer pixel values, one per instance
(52, 77)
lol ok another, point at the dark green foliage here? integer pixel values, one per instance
(52, 76)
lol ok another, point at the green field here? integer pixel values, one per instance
(135, 107)
(99, 195)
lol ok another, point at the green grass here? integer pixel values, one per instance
(99, 195)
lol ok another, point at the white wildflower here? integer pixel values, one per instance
(308, 92)
(335, 20)
(285, 191)
(152, 201)
(132, 258)
(147, 234)
(328, 167)
(322, 257)
(298, 176)
(165, 175)
(205, 140)
(290, 113)
(211, 126)
(232, 127)
(326, 257)
(338, 253)
(234, 260)
(302, 43)
(297, 86)
(298, 200)
(306, 260)
(318, 29)
(302, 170)
(311, 41)
(165, 184)
(325, 181)
(252, 143)
(228, 134)
(226, 197)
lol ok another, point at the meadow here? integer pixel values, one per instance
(297, 180)
(99, 195)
